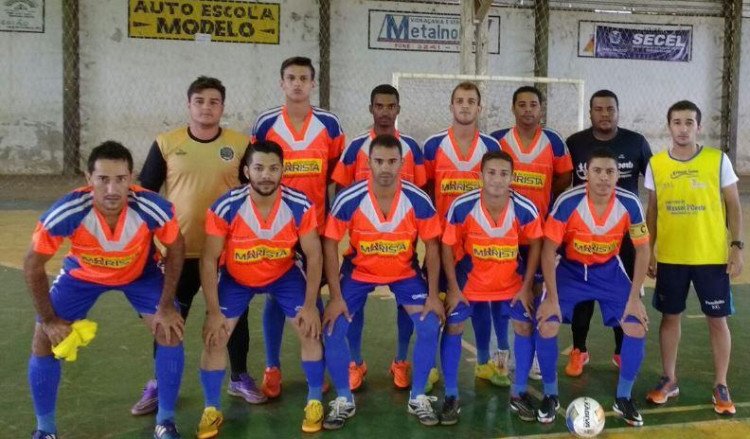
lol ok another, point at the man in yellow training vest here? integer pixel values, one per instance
(693, 192)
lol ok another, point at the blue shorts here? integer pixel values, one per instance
(463, 312)
(288, 291)
(410, 291)
(72, 298)
(711, 283)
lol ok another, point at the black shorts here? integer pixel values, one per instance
(711, 283)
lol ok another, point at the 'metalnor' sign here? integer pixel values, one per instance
(423, 31)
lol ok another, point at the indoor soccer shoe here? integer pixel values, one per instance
(166, 430)
(357, 374)
(271, 386)
(432, 378)
(625, 407)
(421, 407)
(401, 371)
(313, 421)
(450, 411)
(340, 411)
(149, 401)
(663, 391)
(523, 407)
(210, 422)
(246, 389)
(576, 361)
(548, 409)
(39, 434)
(488, 372)
(723, 404)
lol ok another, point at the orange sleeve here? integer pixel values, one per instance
(420, 176)
(336, 147)
(534, 229)
(429, 228)
(562, 164)
(309, 221)
(44, 243)
(167, 233)
(639, 234)
(215, 225)
(335, 228)
(343, 174)
(554, 230)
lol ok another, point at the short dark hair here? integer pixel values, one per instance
(204, 83)
(684, 105)
(110, 150)
(467, 85)
(496, 155)
(298, 61)
(601, 152)
(384, 89)
(527, 89)
(386, 141)
(265, 146)
(603, 94)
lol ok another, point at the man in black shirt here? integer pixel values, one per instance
(633, 153)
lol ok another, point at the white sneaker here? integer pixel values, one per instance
(535, 373)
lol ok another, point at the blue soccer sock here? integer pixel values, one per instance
(337, 357)
(481, 320)
(354, 336)
(44, 378)
(546, 351)
(405, 330)
(523, 349)
(211, 381)
(633, 351)
(273, 331)
(425, 349)
(500, 321)
(170, 361)
(450, 357)
(314, 371)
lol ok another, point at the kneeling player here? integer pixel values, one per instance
(484, 226)
(111, 225)
(253, 231)
(590, 222)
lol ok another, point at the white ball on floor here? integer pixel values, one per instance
(585, 417)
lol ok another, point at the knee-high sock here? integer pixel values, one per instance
(500, 321)
(633, 351)
(425, 349)
(546, 352)
(337, 357)
(211, 382)
(450, 357)
(354, 336)
(617, 330)
(273, 331)
(523, 349)
(238, 347)
(314, 371)
(405, 330)
(170, 361)
(44, 378)
(481, 320)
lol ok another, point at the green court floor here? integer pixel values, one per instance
(97, 390)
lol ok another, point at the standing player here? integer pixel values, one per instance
(111, 225)
(383, 217)
(486, 225)
(312, 140)
(353, 166)
(693, 191)
(542, 170)
(195, 165)
(253, 231)
(590, 222)
(632, 152)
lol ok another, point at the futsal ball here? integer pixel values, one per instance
(585, 417)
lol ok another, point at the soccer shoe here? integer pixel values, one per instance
(548, 410)
(313, 421)
(166, 430)
(501, 360)
(401, 371)
(149, 401)
(421, 407)
(246, 389)
(210, 422)
(535, 373)
(523, 407)
(432, 378)
(625, 408)
(576, 361)
(39, 434)
(723, 404)
(617, 361)
(357, 374)
(340, 411)
(488, 372)
(450, 411)
(271, 386)
(663, 391)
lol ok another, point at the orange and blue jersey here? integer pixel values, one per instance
(257, 250)
(535, 165)
(307, 153)
(97, 253)
(382, 250)
(589, 238)
(489, 267)
(354, 162)
(452, 172)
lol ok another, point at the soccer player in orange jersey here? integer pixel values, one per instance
(111, 224)
(252, 232)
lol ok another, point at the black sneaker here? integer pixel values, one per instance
(625, 407)
(523, 407)
(421, 407)
(450, 411)
(548, 410)
(341, 410)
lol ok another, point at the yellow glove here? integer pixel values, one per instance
(81, 334)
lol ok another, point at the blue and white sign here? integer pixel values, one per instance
(636, 41)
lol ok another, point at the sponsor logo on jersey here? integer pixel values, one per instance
(681, 207)
(638, 231)
(116, 262)
(226, 153)
(495, 252)
(383, 247)
(458, 186)
(260, 252)
(529, 179)
(686, 173)
(594, 248)
(299, 167)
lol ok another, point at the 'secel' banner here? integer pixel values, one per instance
(644, 44)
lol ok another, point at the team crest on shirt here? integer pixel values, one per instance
(495, 252)
(458, 186)
(384, 247)
(300, 167)
(594, 248)
(116, 262)
(260, 252)
(226, 153)
(529, 179)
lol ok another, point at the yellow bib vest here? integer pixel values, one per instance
(691, 224)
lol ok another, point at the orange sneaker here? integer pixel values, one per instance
(357, 374)
(576, 361)
(401, 371)
(271, 386)
(664, 390)
(723, 404)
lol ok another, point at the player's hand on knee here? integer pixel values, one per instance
(308, 321)
(56, 330)
(636, 309)
(526, 297)
(453, 299)
(548, 309)
(333, 310)
(169, 322)
(215, 329)
(434, 305)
